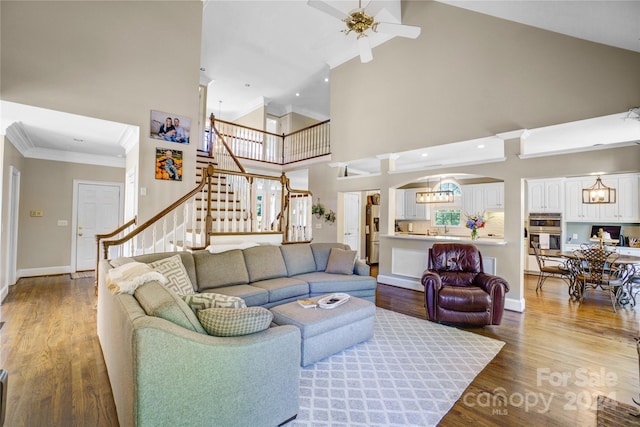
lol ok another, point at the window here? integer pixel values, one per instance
(448, 217)
(445, 186)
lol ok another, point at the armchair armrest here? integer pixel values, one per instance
(488, 283)
(432, 285)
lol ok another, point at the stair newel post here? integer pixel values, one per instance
(253, 204)
(212, 120)
(282, 145)
(208, 172)
(283, 206)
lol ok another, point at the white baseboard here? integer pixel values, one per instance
(43, 271)
(401, 282)
(513, 304)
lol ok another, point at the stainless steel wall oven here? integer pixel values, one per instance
(545, 229)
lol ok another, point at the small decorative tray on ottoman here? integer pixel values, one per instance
(333, 300)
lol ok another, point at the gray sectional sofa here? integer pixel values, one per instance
(166, 372)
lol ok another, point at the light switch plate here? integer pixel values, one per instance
(36, 214)
(63, 223)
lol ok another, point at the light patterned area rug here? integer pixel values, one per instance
(409, 374)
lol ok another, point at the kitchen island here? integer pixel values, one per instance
(406, 256)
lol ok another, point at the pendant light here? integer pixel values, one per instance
(438, 196)
(598, 193)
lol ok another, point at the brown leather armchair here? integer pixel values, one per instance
(457, 290)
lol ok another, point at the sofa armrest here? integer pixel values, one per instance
(361, 268)
(246, 380)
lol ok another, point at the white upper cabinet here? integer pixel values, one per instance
(399, 204)
(626, 208)
(413, 210)
(478, 198)
(545, 195)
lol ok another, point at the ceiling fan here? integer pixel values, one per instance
(361, 23)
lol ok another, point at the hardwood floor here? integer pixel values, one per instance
(557, 352)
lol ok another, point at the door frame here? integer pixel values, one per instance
(12, 225)
(74, 212)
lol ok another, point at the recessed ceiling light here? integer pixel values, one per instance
(424, 154)
(297, 93)
(326, 79)
(203, 69)
(480, 145)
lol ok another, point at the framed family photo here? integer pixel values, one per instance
(168, 164)
(170, 127)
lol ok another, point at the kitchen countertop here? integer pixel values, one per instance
(494, 241)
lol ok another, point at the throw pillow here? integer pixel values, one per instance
(341, 261)
(233, 322)
(173, 269)
(212, 300)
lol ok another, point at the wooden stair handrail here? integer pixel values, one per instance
(207, 173)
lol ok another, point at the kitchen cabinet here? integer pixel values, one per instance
(626, 208)
(400, 204)
(413, 210)
(478, 198)
(545, 195)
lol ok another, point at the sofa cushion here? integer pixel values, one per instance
(324, 283)
(233, 322)
(185, 257)
(177, 277)
(212, 300)
(251, 295)
(341, 261)
(282, 288)
(159, 301)
(264, 262)
(223, 269)
(321, 253)
(298, 258)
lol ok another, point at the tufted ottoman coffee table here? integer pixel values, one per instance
(326, 332)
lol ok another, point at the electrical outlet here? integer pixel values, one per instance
(575, 236)
(319, 225)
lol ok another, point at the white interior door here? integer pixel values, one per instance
(352, 217)
(97, 212)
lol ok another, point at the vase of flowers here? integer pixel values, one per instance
(474, 222)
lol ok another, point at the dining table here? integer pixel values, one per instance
(631, 263)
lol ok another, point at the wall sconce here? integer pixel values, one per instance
(598, 193)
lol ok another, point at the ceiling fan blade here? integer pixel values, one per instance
(398, 30)
(365, 50)
(328, 9)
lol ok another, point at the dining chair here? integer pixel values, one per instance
(549, 267)
(596, 269)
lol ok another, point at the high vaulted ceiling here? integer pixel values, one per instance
(256, 52)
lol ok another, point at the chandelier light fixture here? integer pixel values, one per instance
(598, 193)
(434, 196)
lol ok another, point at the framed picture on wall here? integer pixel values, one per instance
(170, 127)
(168, 164)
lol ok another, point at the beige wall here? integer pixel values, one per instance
(254, 119)
(110, 60)
(468, 76)
(48, 186)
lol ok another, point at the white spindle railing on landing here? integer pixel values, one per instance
(254, 144)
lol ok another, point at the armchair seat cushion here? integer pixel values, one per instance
(467, 299)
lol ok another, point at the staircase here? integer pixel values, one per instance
(227, 200)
